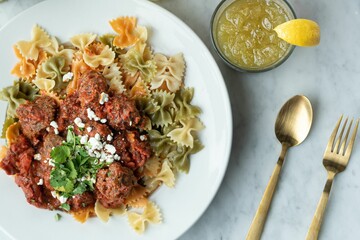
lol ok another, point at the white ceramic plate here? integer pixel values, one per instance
(180, 206)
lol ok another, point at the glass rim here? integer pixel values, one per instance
(242, 69)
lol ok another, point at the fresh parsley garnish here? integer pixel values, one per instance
(57, 217)
(75, 170)
(65, 206)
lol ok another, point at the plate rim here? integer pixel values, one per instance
(219, 77)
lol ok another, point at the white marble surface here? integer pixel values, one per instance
(330, 76)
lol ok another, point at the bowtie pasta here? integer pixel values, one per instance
(101, 122)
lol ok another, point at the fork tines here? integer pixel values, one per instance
(339, 146)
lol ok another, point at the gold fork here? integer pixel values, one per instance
(336, 158)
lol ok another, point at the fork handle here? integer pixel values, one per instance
(258, 222)
(315, 226)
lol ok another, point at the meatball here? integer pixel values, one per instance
(19, 157)
(122, 113)
(69, 110)
(35, 117)
(99, 128)
(36, 194)
(92, 84)
(81, 201)
(49, 142)
(113, 185)
(132, 151)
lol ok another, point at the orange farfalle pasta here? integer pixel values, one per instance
(12, 133)
(78, 67)
(26, 68)
(3, 151)
(125, 27)
(83, 214)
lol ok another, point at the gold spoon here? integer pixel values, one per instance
(292, 126)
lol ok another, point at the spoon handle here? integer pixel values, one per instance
(314, 229)
(258, 222)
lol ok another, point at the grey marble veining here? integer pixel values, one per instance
(330, 76)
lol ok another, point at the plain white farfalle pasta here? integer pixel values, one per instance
(39, 40)
(56, 50)
(81, 41)
(151, 214)
(166, 175)
(116, 85)
(105, 213)
(141, 33)
(183, 135)
(112, 71)
(106, 57)
(169, 71)
(44, 84)
(152, 166)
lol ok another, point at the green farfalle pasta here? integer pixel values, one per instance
(8, 121)
(147, 105)
(160, 143)
(180, 156)
(184, 109)
(50, 74)
(16, 95)
(139, 59)
(108, 39)
(163, 116)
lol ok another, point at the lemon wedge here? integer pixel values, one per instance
(299, 32)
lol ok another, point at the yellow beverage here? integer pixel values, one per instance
(244, 33)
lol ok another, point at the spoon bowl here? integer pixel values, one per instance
(292, 126)
(294, 121)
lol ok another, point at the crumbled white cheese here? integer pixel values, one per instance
(110, 149)
(41, 182)
(109, 138)
(54, 124)
(89, 129)
(48, 129)
(116, 157)
(68, 76)
(37, 157)
(53, 193)
(97, 136)
(56, 131)
(95, 144)
(143, 137)
(79, 122)
(62, 199)
(51, 162)
(91, 114)
(103, 120)
(84, 139)
(103, 98)
(130, 123)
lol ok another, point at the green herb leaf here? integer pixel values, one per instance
(81, 188)
(60, 154)
(65, 206)
(73, 172)
(72, 162)
(70, 138)
(57, 217)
